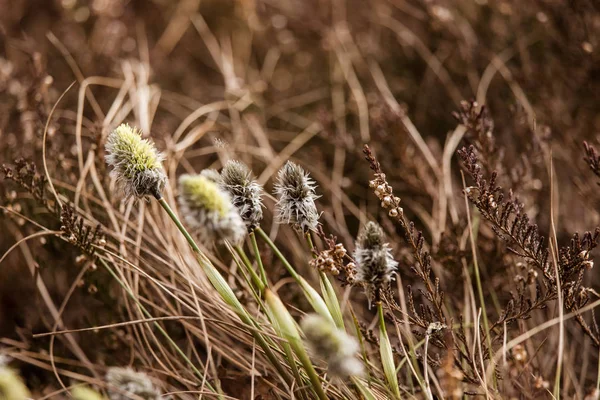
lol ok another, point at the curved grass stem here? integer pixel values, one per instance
(387, 356)
(261, 267)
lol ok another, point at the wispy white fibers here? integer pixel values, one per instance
(374, 261)
(296, 196)
(333, 345)
(245, 192)
(125, 383)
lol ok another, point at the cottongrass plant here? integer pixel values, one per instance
(296, 196)
(86, 393)
(132, 148)
(375, 269)
(11, 384)
(333, 345)
(237, 179)
(374, 260)
(137, 165)
(208, 211)
(245, 191)
(212, 175)
(125, 383)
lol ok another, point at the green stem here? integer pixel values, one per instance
(331, 300)
(261, 267)
(226, 293)
(311, 245)
(179, 225)
(148, 315)
(255, 278)
(313, 297)
(278, 253)
(287, 328)
(327, 290)
(387, 357)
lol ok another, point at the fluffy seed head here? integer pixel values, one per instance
(11, 385)
(85, 393)
(137, 165)
(296, 198)
(208, 210)
(211, 174)
(124, 382)
(245, 192)
(375, 263)
(336, 347)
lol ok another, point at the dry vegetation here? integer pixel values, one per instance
(467, 129)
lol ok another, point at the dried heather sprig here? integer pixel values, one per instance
(333, 345)
(137, 165)
(296, 198)
(246, 193)
(124, 382)
(208, 210)
(374, 260)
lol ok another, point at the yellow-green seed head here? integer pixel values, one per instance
(86, 393)
(137, 165)
(11, 385)
(203, 193)
(208, 210)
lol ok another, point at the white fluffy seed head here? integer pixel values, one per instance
(245, 192)
(211, 174)
(208, 211)
(296, 198)
(125, 382)
(333, 345)
(137, 165)
(373, 257)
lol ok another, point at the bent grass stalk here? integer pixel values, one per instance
(258, 282)
(364, 390)
(329, 295)
(221, 286)
(261, 267)
(287, 327)
(247, 278)
(387, 357)
(313, 297)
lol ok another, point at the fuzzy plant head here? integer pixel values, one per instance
(11, 385)
(245, 192)
(85, 393)
(208, 210)
(125, 382)
(373, 257)
(296, 198)
(211, 174)
(137, 165)
(333, 345)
